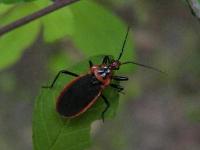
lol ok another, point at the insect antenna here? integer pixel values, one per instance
(132, 62)
(124, 43)
(142, 65)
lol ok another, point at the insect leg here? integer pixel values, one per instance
(90, 63)
(106, 60)
(119, 78)
(106, 108)
(60, 72)
(118, 87)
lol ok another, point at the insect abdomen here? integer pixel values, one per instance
(78, 96)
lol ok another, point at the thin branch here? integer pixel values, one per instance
(51, 8)
(194, 6)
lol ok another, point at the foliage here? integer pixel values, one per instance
(99, 32)
(50, 131)
(13, 44)
(14, 1)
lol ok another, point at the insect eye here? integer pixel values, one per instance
(114, 64)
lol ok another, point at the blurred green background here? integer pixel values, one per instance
(158, 112)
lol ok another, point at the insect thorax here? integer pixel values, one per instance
(102, 73)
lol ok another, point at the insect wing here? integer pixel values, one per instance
(78, 96)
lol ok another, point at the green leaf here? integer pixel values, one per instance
(14, 1)
(58, 24)
(52, 132)
(59, 61)
(4, 8)
(13, 44)
(99, 32)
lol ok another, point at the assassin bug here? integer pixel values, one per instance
(82, 92)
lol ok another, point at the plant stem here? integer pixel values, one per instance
(51, 8)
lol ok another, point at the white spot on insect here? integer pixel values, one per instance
(104, 71)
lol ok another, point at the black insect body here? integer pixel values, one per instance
(82, 92)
